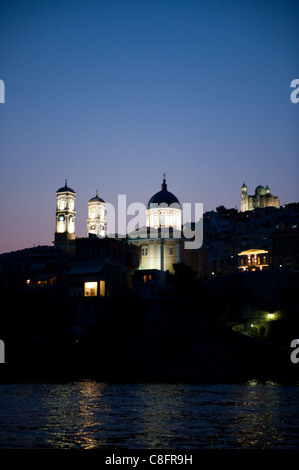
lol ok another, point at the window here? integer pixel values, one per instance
(162, 218)
(167, 219)
(90, 289)
(171, 250)
(102, 288)
(144, 251)
(174, 220)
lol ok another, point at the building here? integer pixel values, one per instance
(150, 283)
(164, 209)
(106, 259)
(286, 249)
(65, 232)
(160, 240)
(254, 260)
(261, 198)
(96, 223)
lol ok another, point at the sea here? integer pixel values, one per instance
(89, 414)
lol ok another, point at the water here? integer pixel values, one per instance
(96, 415)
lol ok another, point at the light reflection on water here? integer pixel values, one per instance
(91, 414)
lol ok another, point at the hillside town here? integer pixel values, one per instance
(149, 306)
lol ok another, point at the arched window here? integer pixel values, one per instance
(168, 219)
(156, 219)
(162, 219)
(174, 219)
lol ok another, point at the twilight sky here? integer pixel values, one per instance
(110, 94)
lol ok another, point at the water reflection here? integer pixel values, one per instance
(91, 415)
(72, 420)
(90, 422)
(257, 416)
(160, 411)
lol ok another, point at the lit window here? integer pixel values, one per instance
(145, 278)
(90, 289)
(102, 288)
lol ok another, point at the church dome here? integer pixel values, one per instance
(96, 198)
(163, 197)
(260, 190)
(65, 189)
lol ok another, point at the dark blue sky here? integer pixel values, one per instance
(112, 94)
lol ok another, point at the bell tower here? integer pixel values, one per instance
(65, 233)
(244, 198)
(96, 223)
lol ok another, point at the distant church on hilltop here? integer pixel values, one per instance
(261, 198)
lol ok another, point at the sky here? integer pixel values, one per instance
(111, 94)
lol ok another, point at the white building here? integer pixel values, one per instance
(164, 209)
(161, 238)
(96, 223)
(261, 198)
(65, 232)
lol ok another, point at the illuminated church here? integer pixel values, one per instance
(160, 240)
(261, 198)
(160, 244)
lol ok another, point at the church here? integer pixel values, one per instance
(261, 198)
(161, 241)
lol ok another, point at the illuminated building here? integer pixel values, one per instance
(253, 260)
(164, 209)
(160, 240)
(96, 223)
(261, 198)
(65, 233)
